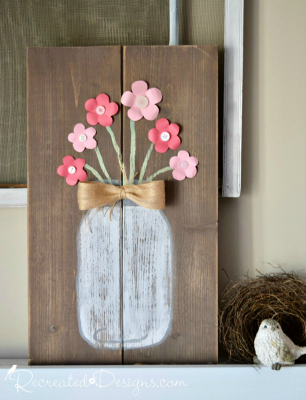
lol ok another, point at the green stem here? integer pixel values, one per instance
(117, 150)
(96, 173)
(161, 171)
(133, 150)
(102, 165)
(145, 163)
(116, 147)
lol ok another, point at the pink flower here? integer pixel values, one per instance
(72, 170)
(183, 165)
(142, 101)
(100, 110)
(82, 138)
(165, 136)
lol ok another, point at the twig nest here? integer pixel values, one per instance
(246, 304)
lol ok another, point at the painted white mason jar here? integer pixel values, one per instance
(124, 277)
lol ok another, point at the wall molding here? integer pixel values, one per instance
(173, 382)
(16, 197)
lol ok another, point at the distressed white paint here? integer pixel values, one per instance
(233, 81)
(146, 288)
(13, 197)
(98, 279)
(173, 23)
(147, 276)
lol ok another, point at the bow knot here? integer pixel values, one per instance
(122, 193)
(99, 194)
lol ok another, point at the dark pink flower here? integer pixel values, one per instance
(100, 110)
(183, 165)
(82, 138)
(142, 101)
(165, 136)
(72, 170)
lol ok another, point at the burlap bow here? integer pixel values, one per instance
(98, 194)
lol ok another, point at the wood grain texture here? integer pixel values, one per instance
(84, 23)
(188, 79)
(13, 185)
(60, 80)
(168, 309)
(98, 281)
(147, 267)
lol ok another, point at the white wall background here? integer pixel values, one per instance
(13, 283)
(268, 223)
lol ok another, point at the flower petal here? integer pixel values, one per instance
(71, 179)
(128, 99)
(62, 170)
(150, 112)
(178, 174)
(184, 155)
(79, 163)
(154, 95)
(174, 143)
(161, 147)
(82, 176)
(79, 146)
(102, 99)
(112, 109)
(153, 135)
(68, 160)
(174, 162)
(174, 129)
(162, 125)
(79, 129)
(139, 87)
(91, 143)
(90, 132)
(92, 118)
(191, 171)
(72, 137)
(193, 161)
(134, 114)
(91, 104)
(105, 120)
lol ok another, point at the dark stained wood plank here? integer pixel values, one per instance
(13, 185)
(188, 79)
(60, 80)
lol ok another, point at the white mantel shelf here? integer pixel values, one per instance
(191, 382)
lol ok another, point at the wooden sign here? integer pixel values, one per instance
(141, 287)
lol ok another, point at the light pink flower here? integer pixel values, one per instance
(142, 101)
(72, 170)
(183, 165)
(82, 138)
(165, 136)
(100, 110)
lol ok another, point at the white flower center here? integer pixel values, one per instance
(165, 136)
(82, 138)
(100, 110)
(142, 102)
(71, 170)
(184, 164)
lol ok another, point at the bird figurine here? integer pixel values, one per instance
(273, 348)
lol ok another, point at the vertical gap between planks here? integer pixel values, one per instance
(121, 215)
